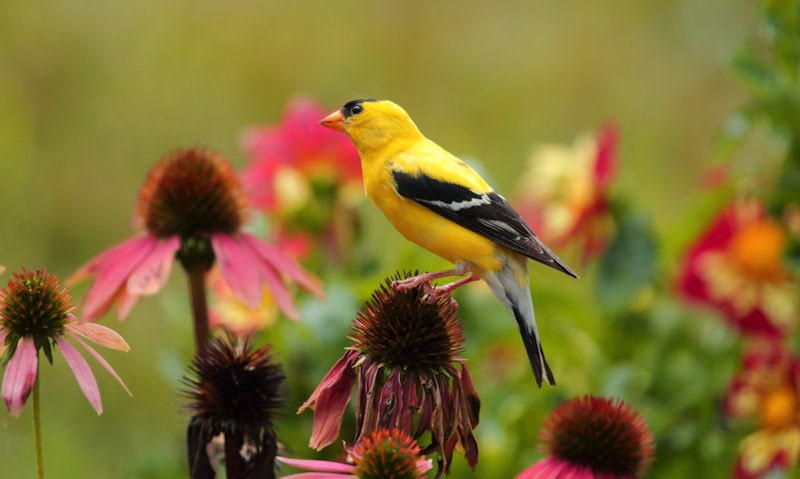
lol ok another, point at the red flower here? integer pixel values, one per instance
(564, 193)
(736, 266)
(308, 178)
(767, 391)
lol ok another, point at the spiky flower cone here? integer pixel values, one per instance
(405, 355)
(235, 392)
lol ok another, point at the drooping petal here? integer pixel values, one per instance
(83, 374)
(316, 465)
(235, 262)
(99, 334)
(280, 293)
(329, 401)
(153, 272)
(20, 375)
(100, 359)
(283, 263)
(112, 269)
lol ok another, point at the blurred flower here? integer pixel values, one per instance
(736, 266)
(191, 206)
(592, 437)
(767, 390)
(383, 455)
(35, 315)
(235, 392)
(405, 357)
(308, 178)
(564, 192)
(229, 311)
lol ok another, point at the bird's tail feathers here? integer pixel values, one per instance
(510, 285)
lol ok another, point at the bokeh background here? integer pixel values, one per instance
(93, 93)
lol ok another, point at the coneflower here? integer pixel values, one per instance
(409, 375)
(191, 207)
(593, 438)
(235, 393)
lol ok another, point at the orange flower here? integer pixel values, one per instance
(767, 391)
(737, 267)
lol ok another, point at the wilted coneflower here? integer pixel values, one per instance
(235, 393)
(191, 207)
(405, 357)
(592, 438)
(35, 315)
(383, 455)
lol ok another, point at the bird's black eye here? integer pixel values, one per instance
(356, 109)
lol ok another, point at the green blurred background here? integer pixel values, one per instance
(92, 93)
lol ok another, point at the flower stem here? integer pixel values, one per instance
(37, 429)
(234, 465)
(197, 290)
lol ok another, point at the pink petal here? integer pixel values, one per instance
(316, 465)
(319, 475)
(276, 287)
(80, 368)
(153, 272)
(100, 359)
(20, 375)
(283, 263)
(99, 334)
(112, 269)
(605, 165)
(330, 400)
(236, 263)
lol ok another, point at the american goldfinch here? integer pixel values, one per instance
(440, 203)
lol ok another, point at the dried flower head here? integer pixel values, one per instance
(235, 391)
(410, 377)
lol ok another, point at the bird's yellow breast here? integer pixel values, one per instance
(433, 232)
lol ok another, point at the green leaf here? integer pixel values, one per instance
(629, 263)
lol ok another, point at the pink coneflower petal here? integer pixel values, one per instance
(284, 264)
(280, 294)
(236, 265)
(100, 359)
(99, 334)
(330, 399)
(317, 465)
(319, 475)
(20, 375)
(605, 165)
(112, 269)
(153, 272)
(83, 374)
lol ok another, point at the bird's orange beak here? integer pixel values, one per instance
(334, 121)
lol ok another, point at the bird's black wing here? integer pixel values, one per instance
(487, 214)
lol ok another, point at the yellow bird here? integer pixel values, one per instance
(440, 203)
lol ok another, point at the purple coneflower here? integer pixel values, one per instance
(405, 356)
(35, 315)
(191, 207)
(593, 438)
(383, 455)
